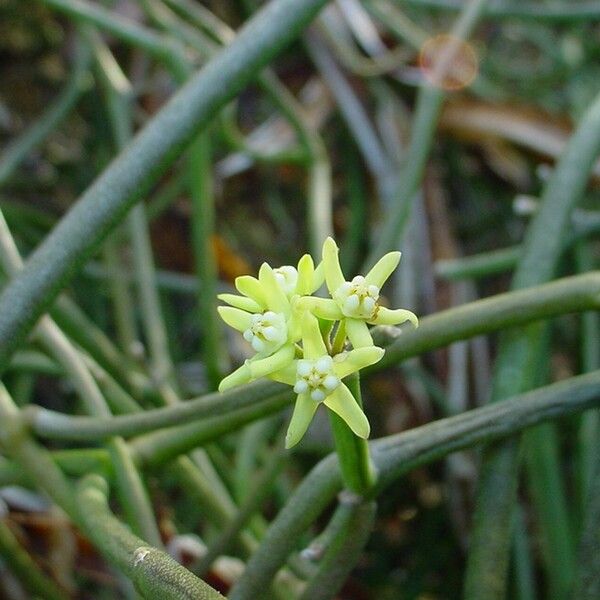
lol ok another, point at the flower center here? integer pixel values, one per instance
(267, 332)
(316, 377)
(287, 278)
(357, 299)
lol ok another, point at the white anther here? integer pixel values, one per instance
(301, 386)
(318, 395)
(331, 382)
(323, 365)
(304, 368)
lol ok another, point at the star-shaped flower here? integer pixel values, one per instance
(356, 302)
(317, 378)
(264, 316)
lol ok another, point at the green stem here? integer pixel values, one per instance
(353, 452)
(353, 522)
(132, 494)
(154, 573)
(155, 448)
(33, 459)
(24, 567)
(203, 221)
(55, 425)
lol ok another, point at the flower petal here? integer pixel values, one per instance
(293, 327)
(318, 277)
(385, 316)
(382, 269)
(275, 297)
(238, 377)
(312, 340)
(234, 317)
(285, 375)
(344, 404)
(355, 360)
(250, 286)
(259, 367)
(306, 270)
(324, 308)
(358, 333)
(304, 411)
(331, 264)
(242, 302)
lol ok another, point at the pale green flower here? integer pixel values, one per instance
(264, 316)
(356, 302)
(317, 378)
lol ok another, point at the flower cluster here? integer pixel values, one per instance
(290, 331)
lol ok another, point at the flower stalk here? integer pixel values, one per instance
(358, 471)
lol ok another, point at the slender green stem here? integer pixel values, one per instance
(121, 299)
(586, 584)
(353, 453)
(56, 425)
(479, 265)
(86, 334)
(590, 360)
(525, 585)
(24, 567)
(353, 522)
(511, 309)
(132, 494)
(36, 362)
(33, 459)
(154, 573)
(203, 221)
(504, 259)
(155, 448)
